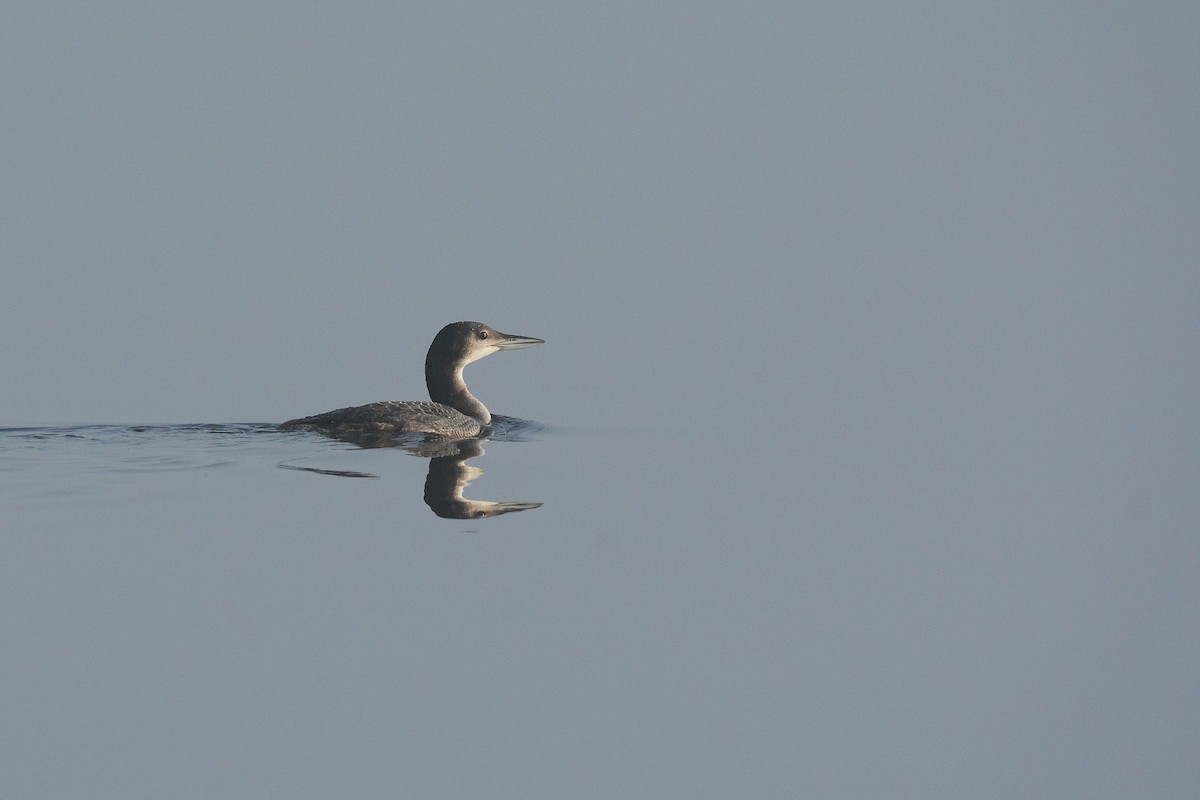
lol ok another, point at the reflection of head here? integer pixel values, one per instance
(450, 475)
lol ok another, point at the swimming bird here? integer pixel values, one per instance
(453, 411)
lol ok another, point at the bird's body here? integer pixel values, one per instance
(391, 416)
(452, 410)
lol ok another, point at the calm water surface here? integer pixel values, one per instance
(872, 350)
(256, 613)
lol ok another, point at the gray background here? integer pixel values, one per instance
(871, 373)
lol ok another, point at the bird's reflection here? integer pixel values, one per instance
(449, 476)
(449, 473)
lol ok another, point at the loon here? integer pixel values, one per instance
(454, 412)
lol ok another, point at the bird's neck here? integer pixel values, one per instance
(449, 388)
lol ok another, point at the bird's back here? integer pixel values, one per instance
(396, 417)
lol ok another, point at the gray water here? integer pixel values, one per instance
(710, 614)
(861, 458)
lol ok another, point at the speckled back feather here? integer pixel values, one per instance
(391, 416)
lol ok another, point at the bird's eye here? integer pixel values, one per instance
(483, 334)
